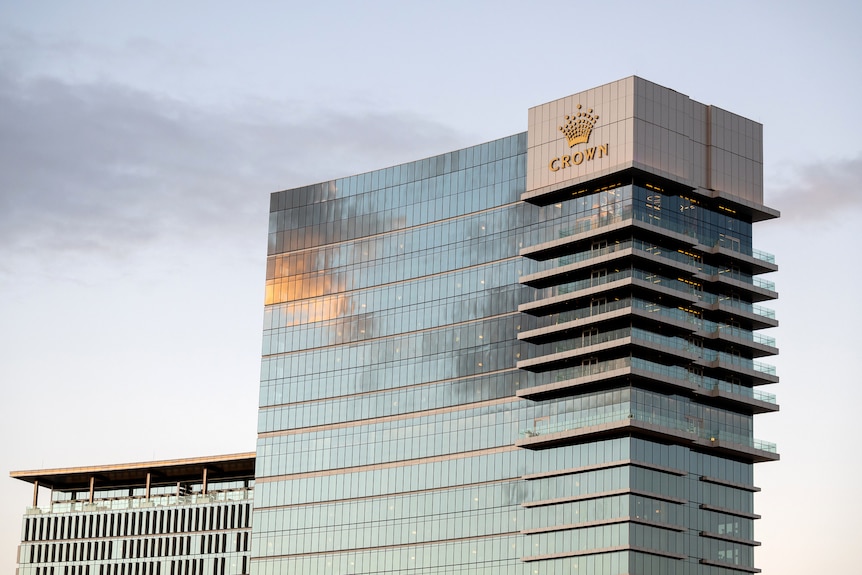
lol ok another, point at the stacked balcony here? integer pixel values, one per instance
(635, 304)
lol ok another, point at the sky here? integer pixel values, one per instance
(139, 143)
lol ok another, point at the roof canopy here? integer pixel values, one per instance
(219, 468)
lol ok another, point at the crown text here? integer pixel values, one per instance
(578, 158)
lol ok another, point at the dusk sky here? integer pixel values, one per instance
(139, 143)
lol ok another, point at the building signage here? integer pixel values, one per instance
(577, 130)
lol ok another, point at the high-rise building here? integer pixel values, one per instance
(532, 356)
(178, 517)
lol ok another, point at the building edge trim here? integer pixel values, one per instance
(608, 465)
(601, 550)
(726, 483)
(602, 494)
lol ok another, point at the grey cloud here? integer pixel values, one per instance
(102, 168)
(821, 191)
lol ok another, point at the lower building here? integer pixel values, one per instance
(179, 517)
(537, 355)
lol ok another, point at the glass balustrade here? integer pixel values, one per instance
(628, 412)
(604, 221)
(668, 371)
(121, 503)
(649, 277)
(671, 283)
(707, 326)
(584, 312)
(762, 283)
(663, 252)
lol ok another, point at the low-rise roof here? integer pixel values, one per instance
(219, 468)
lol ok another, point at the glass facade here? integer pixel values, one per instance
(455, 380)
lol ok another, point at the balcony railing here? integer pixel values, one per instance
(677, 227)
(704, 382)
(595, 339)
(572, 287)
(588, 255)
(122, 503)
(741, 305)
(662, 252)
(763, 256)
(649, 277)
(671, 313)
(585, 312)
(670, 283)
(668, 371)
(762, 283)
(630, 412)
(677, 343)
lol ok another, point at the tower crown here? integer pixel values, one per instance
(579, 127)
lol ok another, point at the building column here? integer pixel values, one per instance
(204, 490)
(147, 494)
(92, 485)
(35, 494)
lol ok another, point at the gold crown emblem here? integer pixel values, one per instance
(578, 127)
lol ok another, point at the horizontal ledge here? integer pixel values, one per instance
(608, 465)
(730, 566)
(602, 550)
(616, 427)
(598, 523)
(611, 493)
(723, 537)
(563, 299)
(758, 212)
(734, 484)
(571, 385)
(727, 511)
(549, 276)
(758, 265)
(619, 174)
(608, 286)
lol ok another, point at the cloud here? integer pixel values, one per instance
(821, 191)
(99, 168)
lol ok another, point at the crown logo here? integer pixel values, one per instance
(579, 127)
